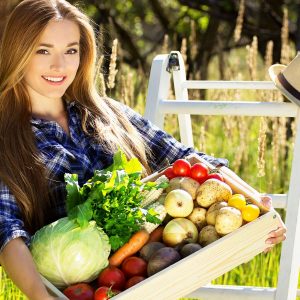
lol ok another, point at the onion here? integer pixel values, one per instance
(180, 230)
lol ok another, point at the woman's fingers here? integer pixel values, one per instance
(275, 237)
(266, 201)
(268, 249)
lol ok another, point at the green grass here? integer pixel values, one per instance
(264, 266)
(8, 291)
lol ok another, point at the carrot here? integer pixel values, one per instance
(136, 242)
(156, 234)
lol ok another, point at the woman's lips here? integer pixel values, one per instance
(55, 80)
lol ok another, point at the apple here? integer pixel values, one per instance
(179, 203)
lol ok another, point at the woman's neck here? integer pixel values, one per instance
(51, 110)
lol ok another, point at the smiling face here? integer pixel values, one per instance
(55, 62)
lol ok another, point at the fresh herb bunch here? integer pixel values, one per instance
(112, 197)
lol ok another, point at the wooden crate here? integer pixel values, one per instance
(54, 291)
(210, 262)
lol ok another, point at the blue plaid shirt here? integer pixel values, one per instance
(79, 153)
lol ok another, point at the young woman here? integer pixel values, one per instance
(52, 122)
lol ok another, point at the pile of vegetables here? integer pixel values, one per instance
(149, 226)
(103, 214)
(203, 207)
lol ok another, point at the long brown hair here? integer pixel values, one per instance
(20, 164)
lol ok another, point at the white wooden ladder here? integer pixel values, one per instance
(157, 105)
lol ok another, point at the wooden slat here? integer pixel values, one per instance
(52, 289)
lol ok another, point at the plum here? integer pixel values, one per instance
(149, 249)
(190, 248)
(161, 259)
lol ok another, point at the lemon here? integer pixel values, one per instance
(250, 212)
(238, 201)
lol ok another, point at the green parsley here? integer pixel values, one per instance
(112, 197)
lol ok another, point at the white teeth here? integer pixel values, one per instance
(54, 79)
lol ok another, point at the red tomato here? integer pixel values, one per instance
(215, 176)
(169, 173)
(80, 291)
(199, 172)
(105, 293)
(133, 266)
(133, 280)
(181, 167)
(112, 277)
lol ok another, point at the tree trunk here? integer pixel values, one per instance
(207, 46)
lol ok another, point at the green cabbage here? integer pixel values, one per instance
(65, 253)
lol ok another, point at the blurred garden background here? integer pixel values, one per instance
(219, 40)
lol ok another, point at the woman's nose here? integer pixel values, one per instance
(58, 63)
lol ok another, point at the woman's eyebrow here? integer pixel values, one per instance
(52, 46)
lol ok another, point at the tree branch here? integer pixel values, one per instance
(127, 42)
(160, 13)
(272, 13)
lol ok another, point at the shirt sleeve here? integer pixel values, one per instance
(165, 148)
(11, 223)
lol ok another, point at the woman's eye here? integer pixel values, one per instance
(42, 51)
(72, 51)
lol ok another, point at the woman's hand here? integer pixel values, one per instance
(275, 236)
(266, 201)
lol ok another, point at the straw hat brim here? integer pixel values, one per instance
(274, 71)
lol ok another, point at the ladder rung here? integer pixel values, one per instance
(240, 85)
(212, 292)
(234, 108)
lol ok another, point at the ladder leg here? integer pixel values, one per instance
(290, 254)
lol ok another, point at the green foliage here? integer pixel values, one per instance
(112, 198)
(91, 11)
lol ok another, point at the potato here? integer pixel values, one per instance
(184, 183)
(197, 216)
(213, 211)
(228, 219)
(211, 191)
(208, 235)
